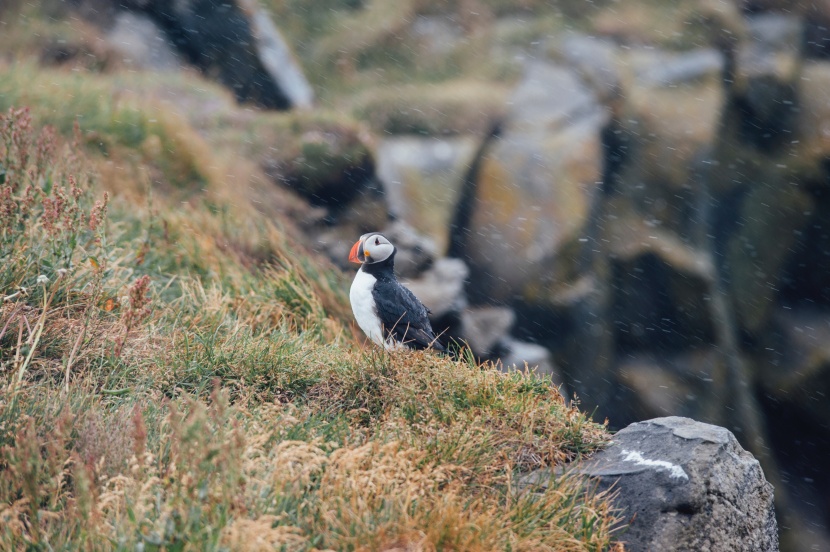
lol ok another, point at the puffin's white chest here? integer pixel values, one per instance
(363, 306)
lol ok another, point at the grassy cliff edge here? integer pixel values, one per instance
(185, 376)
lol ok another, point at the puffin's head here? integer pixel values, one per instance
(371, 248)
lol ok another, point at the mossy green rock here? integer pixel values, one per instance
(328, 162)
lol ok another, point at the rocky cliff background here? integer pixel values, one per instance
(632, 196)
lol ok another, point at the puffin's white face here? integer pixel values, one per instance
(371, 248)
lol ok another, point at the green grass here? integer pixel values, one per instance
(167, 390)
(112, 120)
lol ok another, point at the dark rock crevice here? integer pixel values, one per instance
(804, 280)
(460, 225)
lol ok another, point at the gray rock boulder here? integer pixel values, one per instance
(417, 253)
(661, 283)
(483, 328)
(795, 367)
(686, 486)
(669, 69)
(682, 384)
(487, 331)
(437, 35)
(441, 288)
(768, 153)
(814, 121)
(815, 14)
(236, 43)
(766, 80)
(424, 178)
(141, 44)
(535, 183)
(665, 120)
(595, 59)
(759, 249)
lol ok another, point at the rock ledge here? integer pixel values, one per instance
(686, 486)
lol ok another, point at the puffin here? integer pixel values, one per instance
(387, 312)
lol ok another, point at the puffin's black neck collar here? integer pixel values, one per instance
(385, 267)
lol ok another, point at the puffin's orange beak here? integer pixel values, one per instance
(353, 253)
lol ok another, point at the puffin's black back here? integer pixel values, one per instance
(403, 316)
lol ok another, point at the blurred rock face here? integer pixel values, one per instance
(424, 178)
(534, 187)
(626, 192)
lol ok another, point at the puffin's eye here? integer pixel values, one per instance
(377, 241)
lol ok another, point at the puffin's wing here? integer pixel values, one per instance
(424, 336)
(404, 317)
